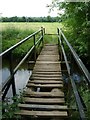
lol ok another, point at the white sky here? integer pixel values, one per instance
(29, 8)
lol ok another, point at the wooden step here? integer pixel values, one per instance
(47, 69)
(47, 62)
(44, 107)
(61, 114)
(45, 81)
(44, 94)
(48, 58)
(46, 75)
(45, 78)
(46, 72)
(44, 100)
(45, 85)
(49, 53)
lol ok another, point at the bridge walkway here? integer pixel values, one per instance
(44, 96)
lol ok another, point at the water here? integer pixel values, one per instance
(23, 74)
(21, 77)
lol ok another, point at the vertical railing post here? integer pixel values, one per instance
(60, 39)
(44, 30)
(34, 48)
(11, 72)
(42, 33)
(58, 35)
(59, 43)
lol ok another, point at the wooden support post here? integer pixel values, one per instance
(34, 48)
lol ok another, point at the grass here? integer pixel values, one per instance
(50, 27)
(13, 32)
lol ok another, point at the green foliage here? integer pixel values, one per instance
(11, 108)
(11, 36)
(76, 19)
(14, 32)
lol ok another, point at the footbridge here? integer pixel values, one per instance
(47, 94)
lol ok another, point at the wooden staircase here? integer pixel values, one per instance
(44, 96)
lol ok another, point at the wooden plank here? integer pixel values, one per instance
(47, 72)
(45, 107)
(45, 78)
(57, 56)
(55, 66)
(49, 52)
(46, 75)
(44, 100)
(49, 62)
(45, 85)
(43, 113)
(45, 81)
(44, 94)
(47, 69)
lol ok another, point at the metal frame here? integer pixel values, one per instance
(10, 80)
(76, 57)
(81, 65)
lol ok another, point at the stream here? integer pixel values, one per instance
(23, 74)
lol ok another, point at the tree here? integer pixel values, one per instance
(76, 17)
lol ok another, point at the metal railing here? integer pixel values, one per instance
(61, 39)
(10, 80)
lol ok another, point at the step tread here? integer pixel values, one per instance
(38, 106)
(43, 113)
(44, 85)
(44, 94)
(44, 100)
(45, 81)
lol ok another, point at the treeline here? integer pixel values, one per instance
(30, 19)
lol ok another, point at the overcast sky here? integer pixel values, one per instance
(30, 8)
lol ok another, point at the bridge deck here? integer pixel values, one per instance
(44, 96)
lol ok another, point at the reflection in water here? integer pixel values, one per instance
(21, 78)
(5, 74)
(75, 76)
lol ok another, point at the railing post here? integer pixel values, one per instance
(34, 48)
(58, 35)
(44, 30)
(42, 33)
(60, 38)
(11, 72)
(59, 44)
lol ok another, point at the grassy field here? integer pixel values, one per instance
(13, 32)
(50, 27)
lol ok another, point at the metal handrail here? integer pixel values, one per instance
(18, 44)
(78, 60)
(16, 68)
(7, 83)
(76, 93)
(77, 97)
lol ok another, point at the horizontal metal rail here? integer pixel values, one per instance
(21, 62)
(76, 94)
(78, 97)
(78, 60)
(7, 83)
(18, 44)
